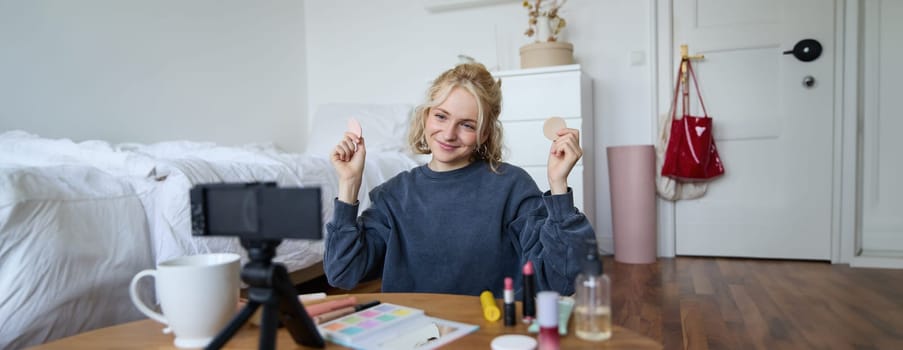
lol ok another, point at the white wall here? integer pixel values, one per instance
(228, 71)
(234, 71)
(386, 51)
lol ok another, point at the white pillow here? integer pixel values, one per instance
(384, 126)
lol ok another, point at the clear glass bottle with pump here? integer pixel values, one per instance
(592, 308)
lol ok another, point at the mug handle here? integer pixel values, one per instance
(133, 292)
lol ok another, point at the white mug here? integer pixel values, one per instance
(198, 295)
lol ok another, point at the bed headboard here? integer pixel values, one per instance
(384, 126)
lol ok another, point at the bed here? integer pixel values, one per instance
(79, 219)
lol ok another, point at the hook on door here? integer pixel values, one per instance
(684, 57)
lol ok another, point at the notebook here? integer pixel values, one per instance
(391, 326)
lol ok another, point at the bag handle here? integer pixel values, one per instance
(698, 92)
(680, 70)
(685, 93)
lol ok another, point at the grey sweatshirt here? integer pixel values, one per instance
(461, 232)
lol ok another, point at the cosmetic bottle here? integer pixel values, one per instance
(547, 317)
(592, 309)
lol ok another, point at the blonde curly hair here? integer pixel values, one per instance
(475, 79)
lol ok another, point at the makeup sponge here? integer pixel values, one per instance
(354, 127)
(551, 126)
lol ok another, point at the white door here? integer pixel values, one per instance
(774, 134)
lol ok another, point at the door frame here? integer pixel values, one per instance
(856, 54)
(844, 220)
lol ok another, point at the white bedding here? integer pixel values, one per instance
(171, 225)
(71, 237)
(78, 220)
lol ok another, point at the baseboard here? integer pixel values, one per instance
(878, 259)
(606, 245)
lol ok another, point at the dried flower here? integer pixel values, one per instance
(548, 10)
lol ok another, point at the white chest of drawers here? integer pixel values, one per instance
(529, 97)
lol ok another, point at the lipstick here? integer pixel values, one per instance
(529, 293)
(509, 302)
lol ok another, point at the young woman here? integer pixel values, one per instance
(466, 220)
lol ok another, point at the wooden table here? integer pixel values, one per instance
(147, 334)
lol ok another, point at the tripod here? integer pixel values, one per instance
(270, 286)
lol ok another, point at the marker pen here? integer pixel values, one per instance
(311, 296)
(334, 314)
(327, 306)
(529, 293)
(509, 302)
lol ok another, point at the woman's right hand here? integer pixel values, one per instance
(348, 160)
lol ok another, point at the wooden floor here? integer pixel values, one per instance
(715, 303)
(709, 303)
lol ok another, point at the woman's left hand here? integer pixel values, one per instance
(563, 156)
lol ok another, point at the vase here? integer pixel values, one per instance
(543, 28)
(631, 178)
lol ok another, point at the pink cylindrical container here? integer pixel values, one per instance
(631, 175)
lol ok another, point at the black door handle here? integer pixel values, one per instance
(806, 50)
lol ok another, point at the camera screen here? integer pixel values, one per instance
(256, 210)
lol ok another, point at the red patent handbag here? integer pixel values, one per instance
(691, 154)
